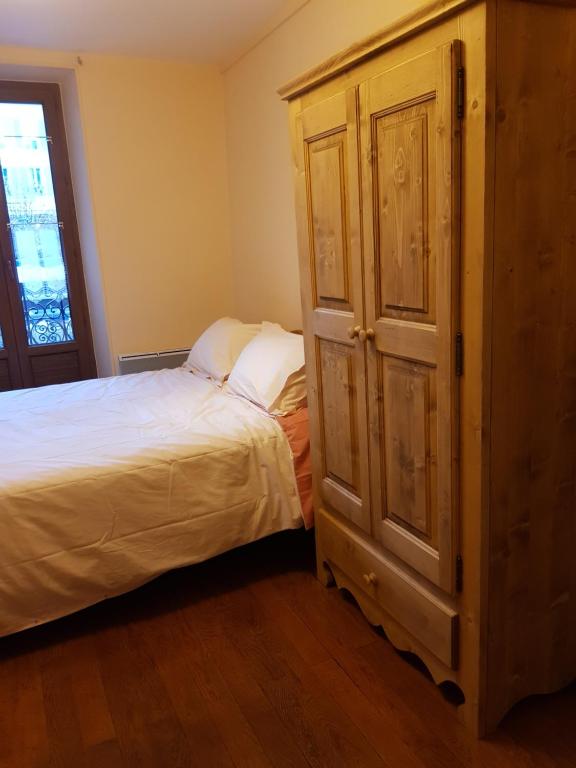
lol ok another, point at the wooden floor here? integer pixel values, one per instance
(244, 661)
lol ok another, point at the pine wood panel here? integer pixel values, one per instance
(403, 202)
(326, 169)
(328, 204)
(516, 534)
(427, 619)
(566, 3)
(410, 184)
(532, 604)
(409, 392)
(475, 314)
(471, 27)
(338, 415)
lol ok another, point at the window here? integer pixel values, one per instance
(46, 330)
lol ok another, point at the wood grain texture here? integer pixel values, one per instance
(432, 623)
(340, 430)
(409, 395)
(410, 193)
(327, 200)
(328, 204)
(422, 343)
(245, 660)
(475, 30)
(402, 143)
(565, 3)
(513, 226)
(532, 605)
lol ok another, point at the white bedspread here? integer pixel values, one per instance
(105, 484)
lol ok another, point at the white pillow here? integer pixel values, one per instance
(214, 354)
(270, 371)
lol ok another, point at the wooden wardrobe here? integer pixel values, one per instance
(435, 168)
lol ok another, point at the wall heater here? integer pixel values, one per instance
(152, 361)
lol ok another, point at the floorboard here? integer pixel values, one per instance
(245, 661)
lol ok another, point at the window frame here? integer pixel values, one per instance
(48, 95)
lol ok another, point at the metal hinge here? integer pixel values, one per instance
(459, 573)
(460, 88)
(459, 354)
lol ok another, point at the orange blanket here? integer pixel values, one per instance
(296, 428)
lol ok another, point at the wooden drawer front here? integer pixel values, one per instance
(425, 617)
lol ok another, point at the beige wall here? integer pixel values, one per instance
(153, 137)
(183, 178)
(263, 229)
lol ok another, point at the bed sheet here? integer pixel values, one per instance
(296, 427)
(106, 484)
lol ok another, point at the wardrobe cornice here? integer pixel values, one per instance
(412, 24)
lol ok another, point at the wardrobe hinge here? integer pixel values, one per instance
(459, 573)
(459, 354)
(460, 95)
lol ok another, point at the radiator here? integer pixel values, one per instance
(152, 361)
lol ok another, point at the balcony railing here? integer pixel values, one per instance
(47, 315)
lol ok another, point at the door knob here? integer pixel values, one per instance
(370, 578)
(354, 331)
(366, 335)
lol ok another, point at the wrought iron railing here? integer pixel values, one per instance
(47, 315)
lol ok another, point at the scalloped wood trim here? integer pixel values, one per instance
(429, 14)
(399, 638)
(392, 591)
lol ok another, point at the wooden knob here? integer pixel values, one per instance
(354, 331)
(366, 335)
(371, 579)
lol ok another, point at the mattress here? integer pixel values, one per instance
(106, 484)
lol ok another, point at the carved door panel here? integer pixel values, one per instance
(410, 181)
(332, 284)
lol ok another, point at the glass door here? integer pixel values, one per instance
(10, 376)
(42, 271)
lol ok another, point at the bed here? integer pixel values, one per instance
(106, 484)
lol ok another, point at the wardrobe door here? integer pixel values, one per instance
(327, 183)
(410, 178)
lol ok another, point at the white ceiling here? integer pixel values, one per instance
(203, 30)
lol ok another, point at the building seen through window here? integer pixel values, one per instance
(33, 222)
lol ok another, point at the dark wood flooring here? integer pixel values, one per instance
(245, 660)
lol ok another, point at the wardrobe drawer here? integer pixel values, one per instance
(422, 614)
